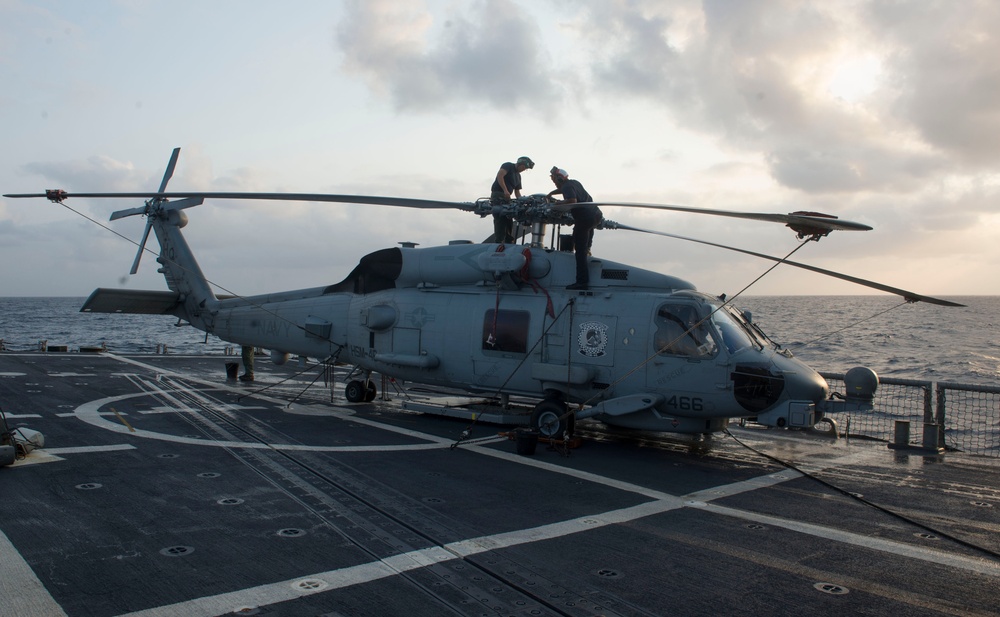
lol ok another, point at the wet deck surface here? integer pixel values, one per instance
(163, 489)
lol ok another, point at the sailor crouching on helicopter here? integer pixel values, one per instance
(508, 181)
(586, 217)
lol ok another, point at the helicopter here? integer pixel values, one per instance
(638, 349)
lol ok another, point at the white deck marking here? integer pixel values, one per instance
(88, 412)
(90, 449)
(22, 592)
(72, 374)
(972, 564)
(36, 457)
(51, 455)
(164, 409)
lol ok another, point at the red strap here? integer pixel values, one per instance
(525, 275)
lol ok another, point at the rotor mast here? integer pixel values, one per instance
(537, 235)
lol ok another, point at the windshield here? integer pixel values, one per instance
(736, 333)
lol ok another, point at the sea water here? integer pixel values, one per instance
(892, 337)
(830, 333)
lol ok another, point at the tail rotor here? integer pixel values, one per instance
(156, 205)
(150, 205)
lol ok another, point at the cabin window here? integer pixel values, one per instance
(680, 331)
(506, 331)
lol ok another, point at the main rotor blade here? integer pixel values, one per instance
(403, 202)
(804, 219)
(806, 223)
(797, 221)
(909, 296)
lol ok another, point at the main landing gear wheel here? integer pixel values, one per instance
(358, 391)
(550, 418)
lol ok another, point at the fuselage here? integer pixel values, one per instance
(500, 321)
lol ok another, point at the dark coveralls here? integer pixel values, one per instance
(503, 226)
(586, 217)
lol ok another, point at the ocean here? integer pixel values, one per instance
(830, 333)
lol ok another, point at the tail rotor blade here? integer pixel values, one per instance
(188, 202)
(170, 169)
(152, 206)
(142, 246)
(120, 214)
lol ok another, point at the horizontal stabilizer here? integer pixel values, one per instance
(131, 301)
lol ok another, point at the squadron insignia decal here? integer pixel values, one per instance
(420, 317)
(593, 339)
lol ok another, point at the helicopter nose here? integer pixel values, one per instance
(801, 382)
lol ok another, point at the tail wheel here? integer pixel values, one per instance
(550, 418)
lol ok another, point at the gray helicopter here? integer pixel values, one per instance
(638, 349)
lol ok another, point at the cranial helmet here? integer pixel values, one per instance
(526, 162)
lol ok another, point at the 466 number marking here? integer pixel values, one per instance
(685, 403)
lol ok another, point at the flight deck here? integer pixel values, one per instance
(164, 488)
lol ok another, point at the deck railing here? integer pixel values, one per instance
(952, 416)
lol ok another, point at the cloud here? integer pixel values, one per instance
(96, 173)
(947, 77)
(493, 56)
(636, 54)
(767, 77)
(839, 168)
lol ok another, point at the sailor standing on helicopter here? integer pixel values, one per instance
(586, 217)
(508, 181)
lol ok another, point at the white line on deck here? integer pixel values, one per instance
(90, 449)
(22, 592)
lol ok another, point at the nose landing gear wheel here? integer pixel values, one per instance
(549, 417)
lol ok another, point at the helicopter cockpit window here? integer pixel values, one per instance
(506, 331)
(734, 335)
(681, 332)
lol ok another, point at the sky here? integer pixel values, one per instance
(886, 113)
